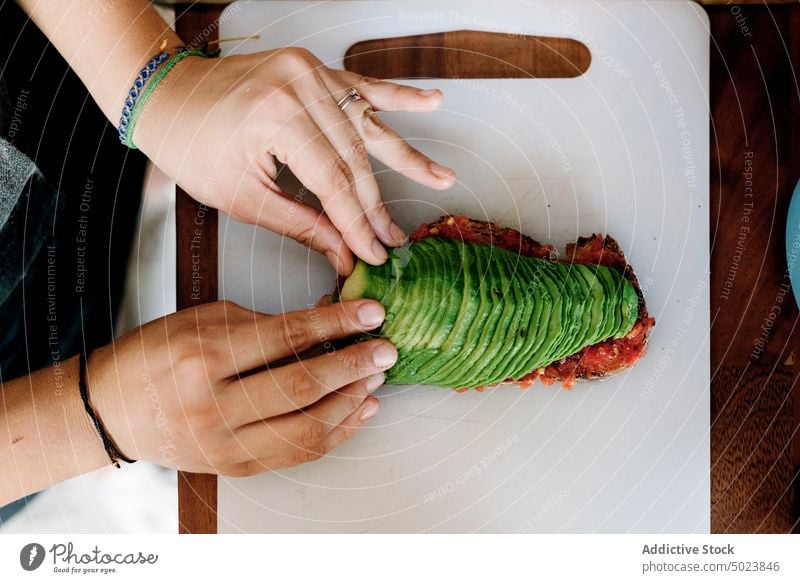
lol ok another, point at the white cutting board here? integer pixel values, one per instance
(621, 150)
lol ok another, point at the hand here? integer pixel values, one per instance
(191, 390)
(219, 126)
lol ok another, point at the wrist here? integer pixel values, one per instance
(90, 453)
(106, 401)
(114, 455)
(49, 436)
(164, 99)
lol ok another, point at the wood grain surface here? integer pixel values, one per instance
(196, 232)
(794, 154)
(469, 54)
(754, 318)
(755, 406)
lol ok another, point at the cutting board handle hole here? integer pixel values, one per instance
(469, 54)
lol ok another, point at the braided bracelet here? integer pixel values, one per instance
(133, 94)
(138, 96)
(113, 453)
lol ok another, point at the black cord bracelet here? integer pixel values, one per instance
(113, 453)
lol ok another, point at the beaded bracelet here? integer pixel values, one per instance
(141, 90)
(133, 94)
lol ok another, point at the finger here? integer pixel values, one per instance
(351, 148)
(350, 426)
(388, 96)
(263, 338)
(394, 151)
(388, 146)
(302, 434)
(265, 205)
(272, 461)
(317, 164)
(338, 406)
(301, 384)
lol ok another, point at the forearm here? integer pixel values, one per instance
(105, 43)
(45, 434)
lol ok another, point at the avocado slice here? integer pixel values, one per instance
(536, 303)
(479, 268)
(498, 283)
(452, 273)
(573, 295)
(467, 312)
(551, 322)
(506, 343)
(445, 269)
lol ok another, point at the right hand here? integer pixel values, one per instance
(222, 127)
(200, 390)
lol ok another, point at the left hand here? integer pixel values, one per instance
(221, 126)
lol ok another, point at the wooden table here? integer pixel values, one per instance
(755, 161)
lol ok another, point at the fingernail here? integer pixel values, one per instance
(369, 410)
(384, 355)
(428, 92)
(397, 233)
(379, 251)
(440, 171)
(371, 314)
(374, 381)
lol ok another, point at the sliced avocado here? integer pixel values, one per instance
(497, 281)
(629, 307)
(610, 312)
(594, 298)
(467, 311)
(464, 314)
(355, 286)
(504, 343)
(441, 310)
(448, 269)
(433, 284)
(479, 274)
(541, 333)
(530, 290)
(408, 286)
(573, 295)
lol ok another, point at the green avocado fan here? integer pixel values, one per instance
(469, 315)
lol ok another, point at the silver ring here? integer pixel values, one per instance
(352, 95)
